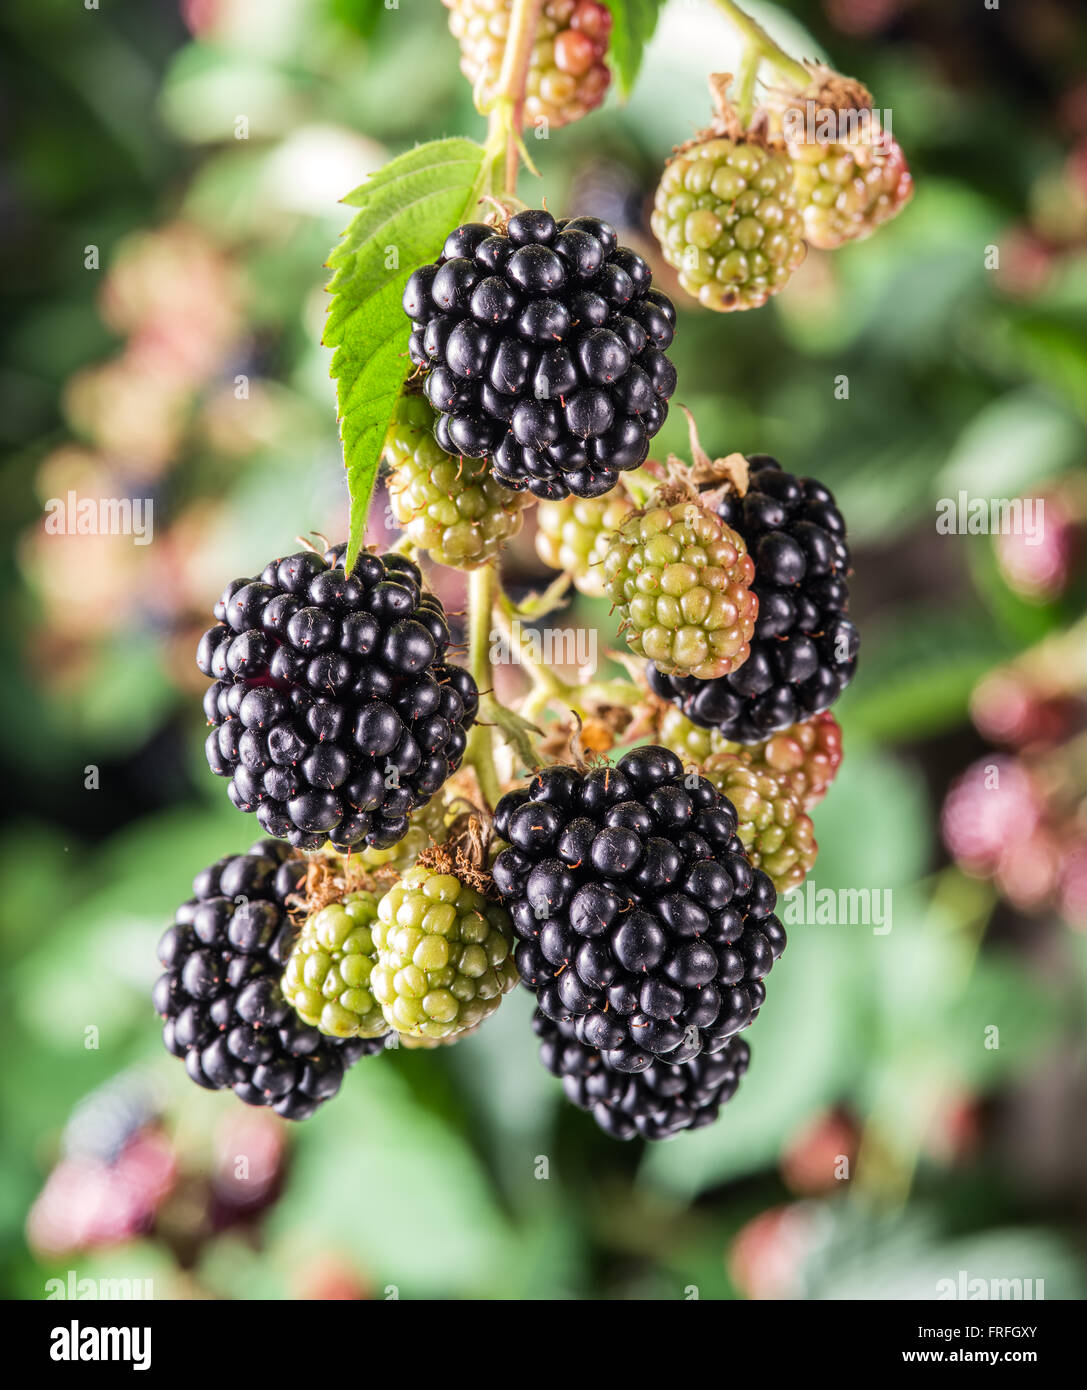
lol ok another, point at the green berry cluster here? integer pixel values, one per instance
(681, 580)
(726, 217)
(328, 979)
(573, 534)
(444, 955)
(451, 507)
(776, 833)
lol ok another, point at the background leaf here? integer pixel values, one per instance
(405, 212)
(633, 24)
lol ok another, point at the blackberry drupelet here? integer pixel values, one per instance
(544, 351)
(641, 920)
(657, 1103)
(224, 1011)
(334, 711)
(804, 649)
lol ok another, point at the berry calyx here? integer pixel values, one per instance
(572, 535)
(543, 351)
(681, 580)
(449, 506)
(726, 216)
(776, 833)
(334, 712)
(567, 75)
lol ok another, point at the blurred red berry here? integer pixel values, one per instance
(992, 807)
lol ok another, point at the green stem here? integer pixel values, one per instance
(479, 755)
(542, 679)
(758, 38)
(512, 83)
(745, 82)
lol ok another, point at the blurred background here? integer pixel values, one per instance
(169, 196)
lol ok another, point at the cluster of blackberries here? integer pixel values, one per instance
(544, 348)
(224, 1010)
(334, 711)
(804, 649)
(641, 921)
(657, 1103)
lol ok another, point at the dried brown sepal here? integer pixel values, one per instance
(329, 879)
(726, 123)
(464, 853)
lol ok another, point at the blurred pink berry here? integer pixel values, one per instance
(1007, 709)
(1038, 566)
(991, 807)
(812, 1160)
(765, 1256)
(86, 1203)
(1028, 871)
(1072, 899)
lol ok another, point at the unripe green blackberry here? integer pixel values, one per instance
(725, 213)
(328, 976)
(849, 175)
(804, 757)
(567, 76)
(778, 836)
(444, 957)
(681, 580)
(675, 731)
(449, 506)
(573, 534)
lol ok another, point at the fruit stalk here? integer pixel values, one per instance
(759, 39)
(479, 755)
(513, 80)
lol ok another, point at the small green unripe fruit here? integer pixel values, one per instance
(444, 955)
(328, 979)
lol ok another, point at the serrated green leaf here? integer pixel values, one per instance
(405, 212)
(633, 23)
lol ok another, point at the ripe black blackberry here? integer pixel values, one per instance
(224, 1011)
(656, 1103)
(544, 348)
(804, 650)
(641, 920)
(335, 712)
